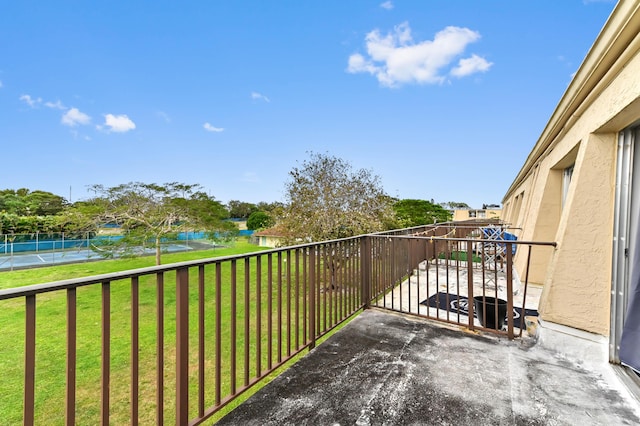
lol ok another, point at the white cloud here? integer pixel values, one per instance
(75, 117)
(395, 59)
(387, 5)
(55, 105)
(32, 102)
(118, 123)
(208, 127)
(259, 96)
(470, 66)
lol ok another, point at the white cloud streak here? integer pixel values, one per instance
(387, 5)
(209, 128)
(55, 105)
(36, 102)
(32, 102)
(259, 96)
(395, 59)
(75, 117)
(118, 123)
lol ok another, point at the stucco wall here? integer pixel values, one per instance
(577, 274)
(578, 284)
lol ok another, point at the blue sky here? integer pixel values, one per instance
(443, 99)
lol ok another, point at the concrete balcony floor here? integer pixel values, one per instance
(392, 369)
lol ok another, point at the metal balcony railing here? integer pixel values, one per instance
(176, 343)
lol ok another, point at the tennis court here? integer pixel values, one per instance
(43, 258)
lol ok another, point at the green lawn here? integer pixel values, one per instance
(461, 256)
(51, 337)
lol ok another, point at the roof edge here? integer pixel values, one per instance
(616, 35)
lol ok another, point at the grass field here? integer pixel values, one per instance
(51, 338)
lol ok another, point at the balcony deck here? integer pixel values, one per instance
(388, 368)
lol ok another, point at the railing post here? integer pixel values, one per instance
(70, 399)
(29, 360)
(509, 247)
(470, 305)
(524, 296)
(365, 271)
(182, 346)
(105, 379)
(135, 349)
(160, 348)
(312, 297)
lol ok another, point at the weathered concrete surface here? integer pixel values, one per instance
(390, 369)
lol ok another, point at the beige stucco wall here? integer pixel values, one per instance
(269, 241)
(464, 214)
(578, 283)
(577, 274)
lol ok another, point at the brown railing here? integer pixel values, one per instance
(196, 333)
(176, 343)
(430, 276)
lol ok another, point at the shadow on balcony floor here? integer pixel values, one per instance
(385, 368)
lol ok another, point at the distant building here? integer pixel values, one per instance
(470, 214)
(272, 237)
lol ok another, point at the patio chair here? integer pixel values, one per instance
(495, 252)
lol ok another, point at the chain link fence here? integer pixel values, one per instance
(40, 249)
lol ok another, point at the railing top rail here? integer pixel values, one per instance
(471, 226)
(115, 276)
(474, 240)
(466, 224)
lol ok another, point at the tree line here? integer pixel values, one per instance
(325, 198)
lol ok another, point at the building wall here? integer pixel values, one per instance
(268, 240)
(470, 214)
(602, 100)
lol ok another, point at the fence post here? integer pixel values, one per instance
(29, 361)
(182, 346)
(509, 247)
(365, 271)
(71, 364)
(312, 296)
(470, 304)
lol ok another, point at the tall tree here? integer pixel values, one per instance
(23, 202)
(259, 220)
(276, 206)
(452, 205)
(151, 212)
(241, 209)
(419, 212)
(45, 203)
(327, 199)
